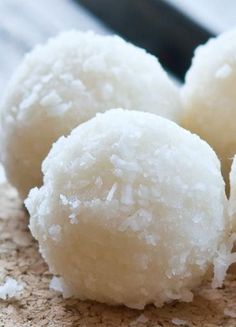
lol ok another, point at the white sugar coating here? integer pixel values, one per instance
(66, 82)
(209, 96)
(150, 209)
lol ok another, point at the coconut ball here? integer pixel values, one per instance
(209, 96)
(132, 210)
(66, 82)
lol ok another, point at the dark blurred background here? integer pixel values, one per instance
(170, 29)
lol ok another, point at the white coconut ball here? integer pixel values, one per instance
(66, 82)
(132, 210)
(209, 96)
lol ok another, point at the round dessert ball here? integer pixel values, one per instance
(209, 96)
(64, 83)
(132, 210)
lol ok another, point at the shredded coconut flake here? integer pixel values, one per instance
(74, 203)
(64, 200)
(10, 288)
(150, 239)
(223, 260)
(26, 103)
(223, 72)
(179, 322)
(112, 192)
(54, 104)
(51, 99)
(99, 182)
(3, 177)
(73, 218)
(57, 284)
(87, 160)
(142, 319)
(127, 195)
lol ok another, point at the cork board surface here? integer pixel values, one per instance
(38, 306)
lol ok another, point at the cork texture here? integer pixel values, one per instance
(38, 306)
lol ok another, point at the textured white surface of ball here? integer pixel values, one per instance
(209, 96)
(132, 210)
(66, 82)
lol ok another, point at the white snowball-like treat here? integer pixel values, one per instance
(132, 210)
(209, 96)
(66, 82)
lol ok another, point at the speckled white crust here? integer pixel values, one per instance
(66, 82)
(132, 210)
(209, 96)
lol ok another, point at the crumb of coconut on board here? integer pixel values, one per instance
(57, 285)
(142, 319)
(179, 322)
(10, 288)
